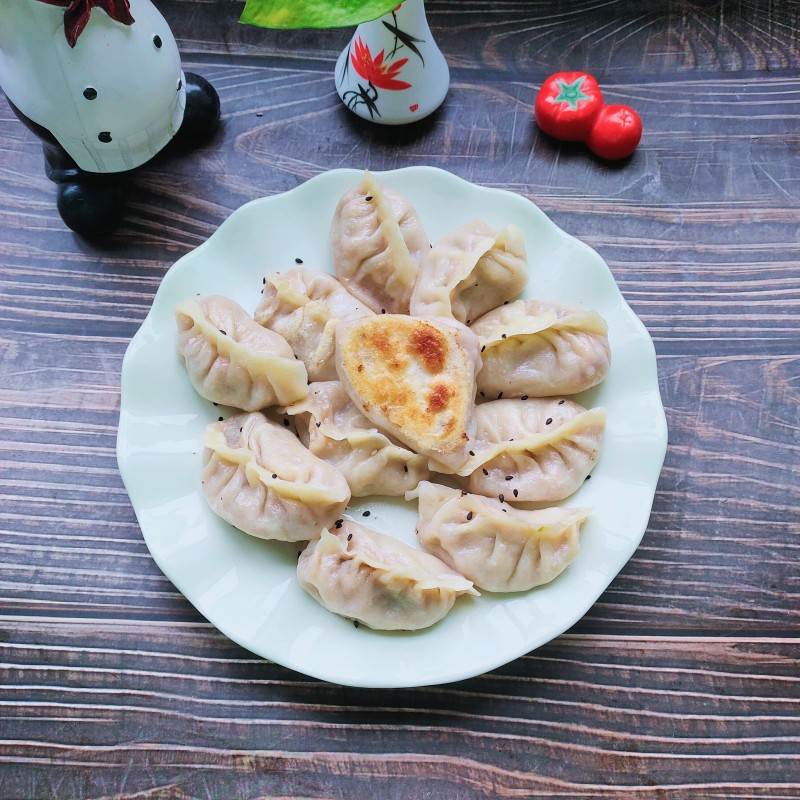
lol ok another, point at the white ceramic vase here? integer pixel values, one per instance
(392, 72)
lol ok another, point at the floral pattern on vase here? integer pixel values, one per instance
(379, 87)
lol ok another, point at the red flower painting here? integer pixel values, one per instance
(77, 14)
(379, 74)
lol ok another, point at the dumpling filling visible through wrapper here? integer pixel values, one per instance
(378, 580)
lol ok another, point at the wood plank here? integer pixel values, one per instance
(629, 712)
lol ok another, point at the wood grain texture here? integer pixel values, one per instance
(683, 681)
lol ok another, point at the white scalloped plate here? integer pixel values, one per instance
(247, 587)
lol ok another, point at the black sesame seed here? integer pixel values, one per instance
(90, 93)
(318, 424)
(548, 420)
(468, 321)
(349, 536)
(485, 471)
(500, 396)
(259, 113)
(368, 197)
(383, 311)
(338, 523)
(463, 493)
(503, 336)
(482, 394)
(509, 477)
(587, 477)
(298, 261)
(219, 419)
(504, 510)
(470, 515)
(405, 467)
(483, 348)
(366, 514)
(286, 423)
(561, 402)
(355, 623)
(524, 397)
(157, 41)
(505, 302)
(104, 136)
(472, 452)
(516, 492)
(216, 404)
(264, 281)
(502, 498)
(224, 333)
(241, 429)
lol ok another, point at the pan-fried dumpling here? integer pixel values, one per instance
(378, 580)
(304, 306)
(260, 479)
(331, 426)
(415, 379)
(470, 271)
(538, 450)
(233, 361)
(498, 547)
(377, 241)
(541, 349)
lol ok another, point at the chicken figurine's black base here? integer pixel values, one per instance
(92, 204)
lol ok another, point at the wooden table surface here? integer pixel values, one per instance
(683, 681)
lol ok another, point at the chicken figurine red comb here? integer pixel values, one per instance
(570, 107)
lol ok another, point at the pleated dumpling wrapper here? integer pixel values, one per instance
(259, 478)
(377, 580)
(470, 271)
(533, 450)
(331, 426)
(377, 241)
(233, 361)
(304, 306)
(415, 379)
(541, 349)
(498, 547)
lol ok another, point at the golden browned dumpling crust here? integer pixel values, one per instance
(414, 378)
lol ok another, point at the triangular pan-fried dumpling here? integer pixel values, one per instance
(415, 379)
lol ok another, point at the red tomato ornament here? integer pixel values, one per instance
(567, 105)
(616, 132)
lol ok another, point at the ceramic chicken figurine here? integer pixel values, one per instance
(100, 82)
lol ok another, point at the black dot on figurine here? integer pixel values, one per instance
(104, 136)
(157, 41)
(201, 115)
(90, 208)
(90, 93)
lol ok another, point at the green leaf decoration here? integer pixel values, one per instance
(288, 14)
